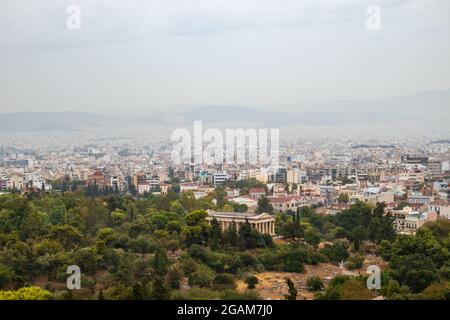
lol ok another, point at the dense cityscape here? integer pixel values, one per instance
(329, 209)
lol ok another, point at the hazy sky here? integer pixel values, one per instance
(161, 55)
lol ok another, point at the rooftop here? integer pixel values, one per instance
(257, 190)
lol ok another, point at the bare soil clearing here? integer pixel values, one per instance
(272, 284)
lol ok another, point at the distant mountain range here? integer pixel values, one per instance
(425, 109)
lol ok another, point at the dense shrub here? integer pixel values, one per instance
(314, 284)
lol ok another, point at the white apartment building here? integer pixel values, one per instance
(408, 221)
(441, 207)
(219, 178)
(434, 167)
(418, 198)
(293, 176)
(285, 203)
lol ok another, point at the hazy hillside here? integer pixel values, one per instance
(430, 108)
(50, 121)
(431, 104)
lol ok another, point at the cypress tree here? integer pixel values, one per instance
(292, 292)
(216, 234)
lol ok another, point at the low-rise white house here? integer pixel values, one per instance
(408, 221)
(441, 207)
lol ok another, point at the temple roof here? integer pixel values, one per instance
(239, 215)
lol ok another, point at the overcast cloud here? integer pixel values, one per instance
(161, 55)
